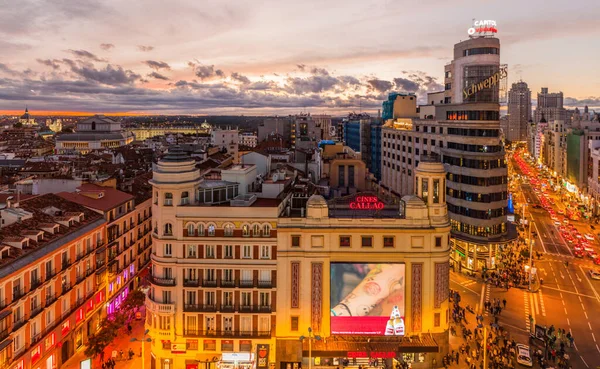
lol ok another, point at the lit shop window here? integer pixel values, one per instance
(80, 315)
(65, 328)
(36, 353)
(50, 340)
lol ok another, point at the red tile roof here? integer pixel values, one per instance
(111, 198)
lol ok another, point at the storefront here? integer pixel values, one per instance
(237, 360)
(469, 255)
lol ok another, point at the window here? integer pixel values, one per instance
(228, 251)
(256, 230)
(295, 241)
(190, 229)
(344, 241)
(341, 176)
(246, 230)
(245, 324)
(228, 325)
(168, 229)
(228, 275)
(185, 198)
(210, 251)
(168, 249)
(388, 241)
(265, 252)
(192, 251)
(229, 230)
(247, 252)
(294, 324)
(438, 242)
(436, 191)
(246, 298)
(211, 230)
(168, 199)
(266, 230)
(367, 241)
(200, 230)
(350, 175)
(265, 299)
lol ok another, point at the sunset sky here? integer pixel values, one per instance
(276, 57)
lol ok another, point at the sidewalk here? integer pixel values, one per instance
(122, 342)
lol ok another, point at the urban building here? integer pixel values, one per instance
(54, 124)
(95, 133)
(248, 139)
(519, 112)
(53, 284)
(324, 121)
(277, 126)
(27, 119)
(226, 139)
(147, 132)
(129, 242)
(400, 105)
(323, 248)
(213, 294)
(343, 170)
(466, 135)
(554, 146)
(306, 132)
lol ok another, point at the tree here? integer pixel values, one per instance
(109, 329)
(18, 125)
(134, 301)
(67, 130)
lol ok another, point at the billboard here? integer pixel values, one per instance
(367, 299)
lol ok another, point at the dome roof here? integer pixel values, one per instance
(413, 201)
(175, 154)
(316, 200)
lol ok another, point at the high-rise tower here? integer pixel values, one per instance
(519, 111)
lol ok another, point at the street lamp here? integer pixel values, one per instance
(310, 339)
(142, 340)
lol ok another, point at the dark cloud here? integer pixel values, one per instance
(52, 63)
(107, 46)
(157, 65)
(240, 78)
(380, 85)
(349, 80)
(7, 70)
(312, 84)
(319, 71)
(407, 85)
(205, 72)
(86, 55)
(145, 48)
(158, 76)
(591, 101)
(109, 75)
(301, 67)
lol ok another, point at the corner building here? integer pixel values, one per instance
(334, 261)
(212, 300)
(466, 135)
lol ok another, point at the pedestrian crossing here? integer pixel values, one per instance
(527, 311)
(487, 297)
(468, 283)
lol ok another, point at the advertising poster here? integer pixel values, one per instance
(367, 299)
(262, 356)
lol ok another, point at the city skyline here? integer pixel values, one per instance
(225, 57)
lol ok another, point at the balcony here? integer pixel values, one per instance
(247, 283)
(200, 308)
(19, 322)
(66, 288)
(227, 283)
(36, 337)
(35, 311)
(100, 263)
(209, 283)
(18, 293)
(165, 282)
(265, 284)
(191, 283)
(227, 308)
(89, 272)
(50, 299)
(80, 277)
(159, 307)
(79, 256)
(226, 333)
(255, 309)
(50, 273)
(35, 283)
(4, 334)
(65, 264)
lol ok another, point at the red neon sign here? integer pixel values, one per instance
(372, 354)
(366, 203)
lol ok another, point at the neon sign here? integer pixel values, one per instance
(366, 203)
(372, 354)
(489, 82)
(482, 28)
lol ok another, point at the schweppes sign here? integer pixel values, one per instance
(489, 82)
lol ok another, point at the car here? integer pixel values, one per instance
(578, 254)
(556, 223)
(592, 254)
(589, 236)
(597, 261)
(592, 227)
(587, 248)
(536, 206)
(524, 355)
(594, 274)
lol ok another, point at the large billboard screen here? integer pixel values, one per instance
(367, 299)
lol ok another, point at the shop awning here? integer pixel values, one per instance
(342, 346)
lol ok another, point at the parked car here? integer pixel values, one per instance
(524, 355)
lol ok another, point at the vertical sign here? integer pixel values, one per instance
(262, 356)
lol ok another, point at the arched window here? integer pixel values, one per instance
(266, 230)
(190, 229)
(185, 198)
(168, 229)
(246, 230)
(200, 229)
(256, 230)
(229, 230)
(93, 125)
(168, 199)
(211, 230)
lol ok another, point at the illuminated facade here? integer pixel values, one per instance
(330, 249)
(52, 290)
(95, 133)
(212, 297)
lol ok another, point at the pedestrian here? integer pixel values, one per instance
(141, 351)
(504, 302)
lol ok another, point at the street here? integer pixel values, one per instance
(568, 298)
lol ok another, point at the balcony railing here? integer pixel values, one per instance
(50, 273)
(4, 334)
(80, 277)
(36, 310)
(163, 281)
(66, 288)
(36, 337)
(100, 263)
(247, 283)
(191, 282)
(265, 284)
(199, 308)
(35, 283)
(227, 308)
(18, 323)
(50, 299)
(89, 272)
(228, 283)
(160, 307)
(254, 309)
(65, 264)
(18, 293)
(209, 283)
(225, 333)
